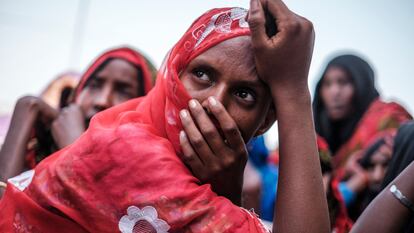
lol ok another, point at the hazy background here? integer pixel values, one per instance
(40, 39)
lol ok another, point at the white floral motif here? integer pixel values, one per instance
(142, 220)
(23, 180)
(221, 23)
(240, 14)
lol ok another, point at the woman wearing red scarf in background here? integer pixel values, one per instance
(114, 77)
(349, 113)
(124, 173)
(350, 116)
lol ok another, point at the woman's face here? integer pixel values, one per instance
(227, 72)
(117, 82)
(378, 167)
(337, 92)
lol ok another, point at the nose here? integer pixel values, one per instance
(104, 99)
(334, 90)
(378, 174)
(219, 92)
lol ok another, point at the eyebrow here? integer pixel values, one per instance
(205, 63)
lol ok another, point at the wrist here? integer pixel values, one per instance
(293, 105)
(296, 95)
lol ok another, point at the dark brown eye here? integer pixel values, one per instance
(201, 74)
(246, 95)
(94, 83)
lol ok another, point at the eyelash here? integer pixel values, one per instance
(199, 73)
(93, 84)
(248, 91)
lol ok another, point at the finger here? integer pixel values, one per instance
(207, 128)
(189, 156)
(284, 19)
(278, 10)
(257, 22)
(75, 113)
(47, 113)
(227, 124)
(196, 139)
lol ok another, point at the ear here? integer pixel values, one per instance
(268, 121)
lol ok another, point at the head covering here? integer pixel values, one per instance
(124, 174)
(365, 93)
(130, 55)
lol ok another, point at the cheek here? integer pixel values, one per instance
(324, 92)
(195, 91)
(371, 175)
(84, 100)
(349, 93)
(247, 121)
(189, 85)
(119, 99)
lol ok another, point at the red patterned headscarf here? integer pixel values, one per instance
(124, 53)
(123, 174)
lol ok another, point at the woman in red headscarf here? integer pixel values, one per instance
(123, 174)
(37, 129)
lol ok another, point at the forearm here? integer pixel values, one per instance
(12, 154)
(386, 213)
(14, 149)
(301, 203)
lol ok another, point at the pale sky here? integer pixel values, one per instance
(40, 39)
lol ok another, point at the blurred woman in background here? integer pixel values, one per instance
(40, 127)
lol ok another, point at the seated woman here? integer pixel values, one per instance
(364, 175)
(350, 115)
(392, 210)
(55, 94)
(38, 129)
(123, 174)
(348, 111)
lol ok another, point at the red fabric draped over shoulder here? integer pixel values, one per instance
(123, 173)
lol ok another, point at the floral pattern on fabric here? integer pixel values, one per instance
(143, 220)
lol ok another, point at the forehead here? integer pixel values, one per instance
(336, 72)
(119, 70)
(236, 50)
(233, 56)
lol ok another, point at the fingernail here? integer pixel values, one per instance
(183, 113)
(182, 134)
(212, 101)
(192, 104)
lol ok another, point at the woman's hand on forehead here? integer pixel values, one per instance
(283, 59)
